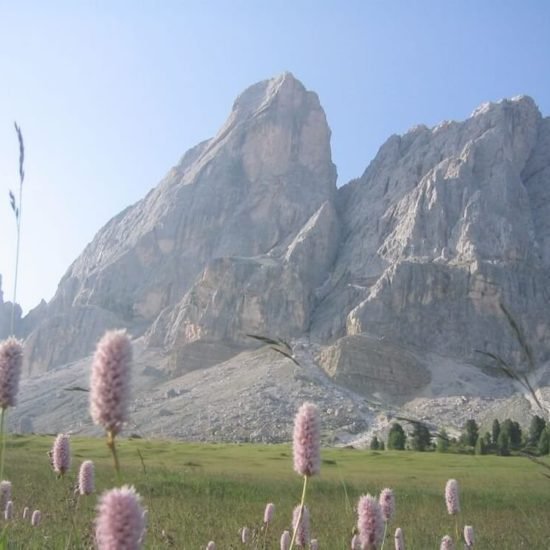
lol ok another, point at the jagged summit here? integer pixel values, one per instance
(387, 285)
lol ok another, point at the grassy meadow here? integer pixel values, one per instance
(200, 492)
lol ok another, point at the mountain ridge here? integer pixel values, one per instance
(379, 282)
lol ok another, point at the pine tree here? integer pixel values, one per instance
(495, 431)
(544, 442)
(421, 437)
(374, 444)
(535, 429)
(397, 437)
(471, 433)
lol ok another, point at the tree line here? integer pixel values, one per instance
(504, 438)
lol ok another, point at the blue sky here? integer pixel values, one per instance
(109, 95)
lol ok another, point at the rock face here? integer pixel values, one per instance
(6, 310)
(404, 269)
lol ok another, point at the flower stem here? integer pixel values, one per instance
(300, 514)
(385, 533)
(3, 437)
(112, 448)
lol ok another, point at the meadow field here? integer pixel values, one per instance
(195, 493)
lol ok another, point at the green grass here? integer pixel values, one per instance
(199, 492)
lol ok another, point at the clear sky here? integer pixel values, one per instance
(110, 94)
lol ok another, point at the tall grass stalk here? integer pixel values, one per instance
(17, 210)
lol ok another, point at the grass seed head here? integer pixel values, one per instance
(307, 440)
(285, 540)
(451, 497)
(469, 536)
(86, 478)
(399, 539)
(370, 522)
(11, 360)
(302, 530)
(110, 381)
(61, 454)
(36, 518)
(387, 503)
(119, 521)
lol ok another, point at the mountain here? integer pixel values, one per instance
(386, 288)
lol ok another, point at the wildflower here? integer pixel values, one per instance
(110, 381)
(36, 518)
(120, 522)
(86, 478)
(469, 536)
(268, 513)
(399, 540)
(5, 494)
(307, 440)
(313, 544)
(245, 535)
(211, 545)
(11, 360)
(370, 522)
(300, 525)
(387, 504)
(61, 454)
(26, 512)
(355, 544)
(285, 540)
(447, 543)
(8, 512)
(451, 497)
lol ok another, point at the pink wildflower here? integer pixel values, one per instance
(5, 494)
(307, 440)
(355, 543)
(36, 518)
(61, 454)
(110, 381)
(370, 522)
(399, 540)
(447, 543)
(313, 544)
(451, 497)
(302, 530)
(469, 536)
(268, 513)
(86, 478)
(285, 540)
(120, 522)
(11, 360)
(211, 545)
(387, 504)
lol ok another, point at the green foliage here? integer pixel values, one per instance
(374, 444)
(495, 431)
(470, 433)
(420, 438)
(442, 442)
(544, 442)
(396, 437)
(536, 427)
(503, 444)
(481, 447)
(513, 431)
